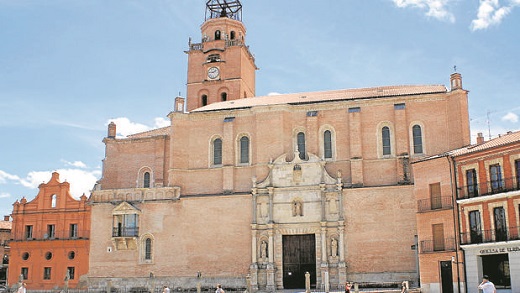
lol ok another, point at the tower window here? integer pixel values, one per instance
(217, 35)
(204, 100)
(233, 35)
(300, 138)
(223, 97)
(213, 58)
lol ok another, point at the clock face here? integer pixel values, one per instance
(213, 72)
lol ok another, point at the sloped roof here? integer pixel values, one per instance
(152, 133)
(326, 96)
(502, 140)
(6, 225)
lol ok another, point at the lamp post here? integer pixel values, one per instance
(456, 262)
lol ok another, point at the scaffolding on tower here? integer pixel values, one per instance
(224, 8)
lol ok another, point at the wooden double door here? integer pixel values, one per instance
(299, 257)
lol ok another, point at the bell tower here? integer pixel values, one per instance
(220, 67)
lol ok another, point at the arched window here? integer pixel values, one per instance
(204, 100)
(217, 35)
(417, 139)
(223, 97)
(146, 180)
(387, 149)
(148, 249)
(244, 150)
(300, 138)
(53, 201)
(327, 144)
(217, 151)
(233, 35)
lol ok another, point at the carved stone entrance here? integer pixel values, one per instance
(299, 257)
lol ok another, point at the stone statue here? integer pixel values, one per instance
(297, 209)
(333, 247)
(333, 206)
(263, 250)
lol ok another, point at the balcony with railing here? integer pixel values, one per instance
(55, 235)
(489, 236)
(438, 245)
(434, 203)
(488, 188)
(125, 232)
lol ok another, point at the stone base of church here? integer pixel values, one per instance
(156, 283)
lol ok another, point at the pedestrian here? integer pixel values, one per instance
(404, 288)
(165, 289)
(22, 288)
(487, 286)
(347, 287)
(219, 289)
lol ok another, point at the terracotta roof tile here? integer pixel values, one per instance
(326, 96)
(152, 133)
(496, 142)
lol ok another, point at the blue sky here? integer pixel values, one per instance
(68, 68)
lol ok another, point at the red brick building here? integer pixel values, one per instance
(469, 214)
(50, 238)
(324, 173)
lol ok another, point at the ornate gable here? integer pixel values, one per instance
(125, 208)
(298, 172)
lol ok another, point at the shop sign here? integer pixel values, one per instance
(500, 250)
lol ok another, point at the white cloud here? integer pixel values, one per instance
(4, 177)
(77, 164)
(273, 94)
(125, 127)
(81, 181)
(436, 8)
(510, 117)
(492, 12)
(161, 122)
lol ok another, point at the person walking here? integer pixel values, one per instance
(404, 288)
(22, 288)
(219, 289)
(347, 287)
(486, 286)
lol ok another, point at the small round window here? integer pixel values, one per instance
(72, 255)
(48, 255)
(25, 256)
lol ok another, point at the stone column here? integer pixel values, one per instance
(271, 246)
(254, 203)
(271, 194)
(253, 244)
(324, 257)
(341, 244)
(342, 266)
(323, 203)
(339, 189)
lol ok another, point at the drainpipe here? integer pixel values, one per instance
(456, 216)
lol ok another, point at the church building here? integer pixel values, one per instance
(268, 188)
